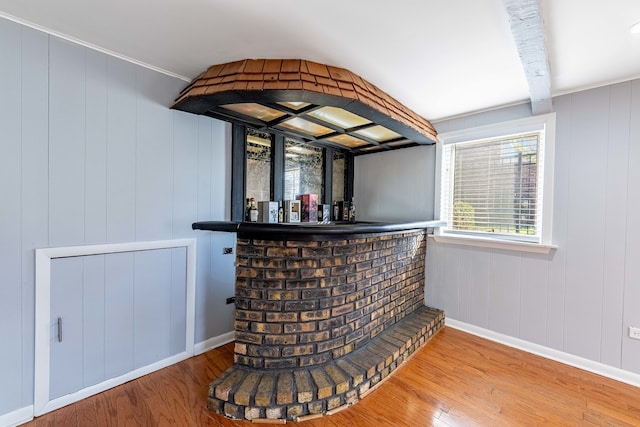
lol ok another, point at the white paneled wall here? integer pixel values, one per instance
(582, 297)
(90, 153)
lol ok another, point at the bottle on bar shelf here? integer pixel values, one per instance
(352, 211)
(253, 211)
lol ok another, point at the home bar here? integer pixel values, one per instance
(326, 306)
(324, 312)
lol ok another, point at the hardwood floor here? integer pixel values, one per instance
(456, 380)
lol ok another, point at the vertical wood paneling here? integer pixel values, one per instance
(96, 148)
(10, 217)
(121, 151)
(220, 168)
(154, 165)
(534, 281)
(219, 315)
(204, 272)
(185, 173)
(178, 300)
(557, 266)
(504, 291)
(66, 143)
(586, 208)
(452, 280)
(93, 320)
(465, 285)
(615, 224)
(119, 300)
(435, 273)
(66, 303)
(479, 263)
(34, 182)
(205, 164)
(69, 168)
(151, 306)
(631, 348)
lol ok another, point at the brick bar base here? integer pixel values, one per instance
(304, 392)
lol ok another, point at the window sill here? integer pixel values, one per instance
(484, 242)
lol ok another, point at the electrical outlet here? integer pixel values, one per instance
(227, 251)
(634, 333)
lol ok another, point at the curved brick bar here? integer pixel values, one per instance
(321, 321)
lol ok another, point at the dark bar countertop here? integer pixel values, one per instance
(313, 231)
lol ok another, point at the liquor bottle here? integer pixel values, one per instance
(247, 210)
(280, 212)
(352, 211)
(253, 211)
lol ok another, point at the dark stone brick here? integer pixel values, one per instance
(267, 284)
(331, 302)
(313, 337)
(266, 328)
(255, 316)
(344, 250)
(343, 270)
(266, 305)
(314, 315)
(290, 328)
(249, 251)
(332, 281)
(248, 337)
(288, 339)
(299, 350)
(332, 261)
(301, 284)
(303, 263)
(336, 322)
(307, 252)
(301, 305)
(317, 359)
(282, 252)
(264, 352)
(330, 345)
(280, 363)
(281, 274)
(343, 289)
(267, 263)
(315, 272)
(343, 309)
(250, 273)
(282, 295)
(351, 278)
(315, 293)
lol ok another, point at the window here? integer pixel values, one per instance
(339, 168)
(303, 169)
(496, 183)
(258, 165)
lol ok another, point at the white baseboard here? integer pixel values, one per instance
(212, 343)
(549, 353)
(15, 418)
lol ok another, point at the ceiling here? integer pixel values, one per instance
(439, 58)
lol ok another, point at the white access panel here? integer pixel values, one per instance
(106, 314)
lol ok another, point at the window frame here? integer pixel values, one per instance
(544, 123)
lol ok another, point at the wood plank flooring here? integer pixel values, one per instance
(456, 380)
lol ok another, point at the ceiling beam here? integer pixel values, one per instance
(525, 17)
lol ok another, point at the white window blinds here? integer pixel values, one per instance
(493, 187)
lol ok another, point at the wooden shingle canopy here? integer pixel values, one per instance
(289, 96)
